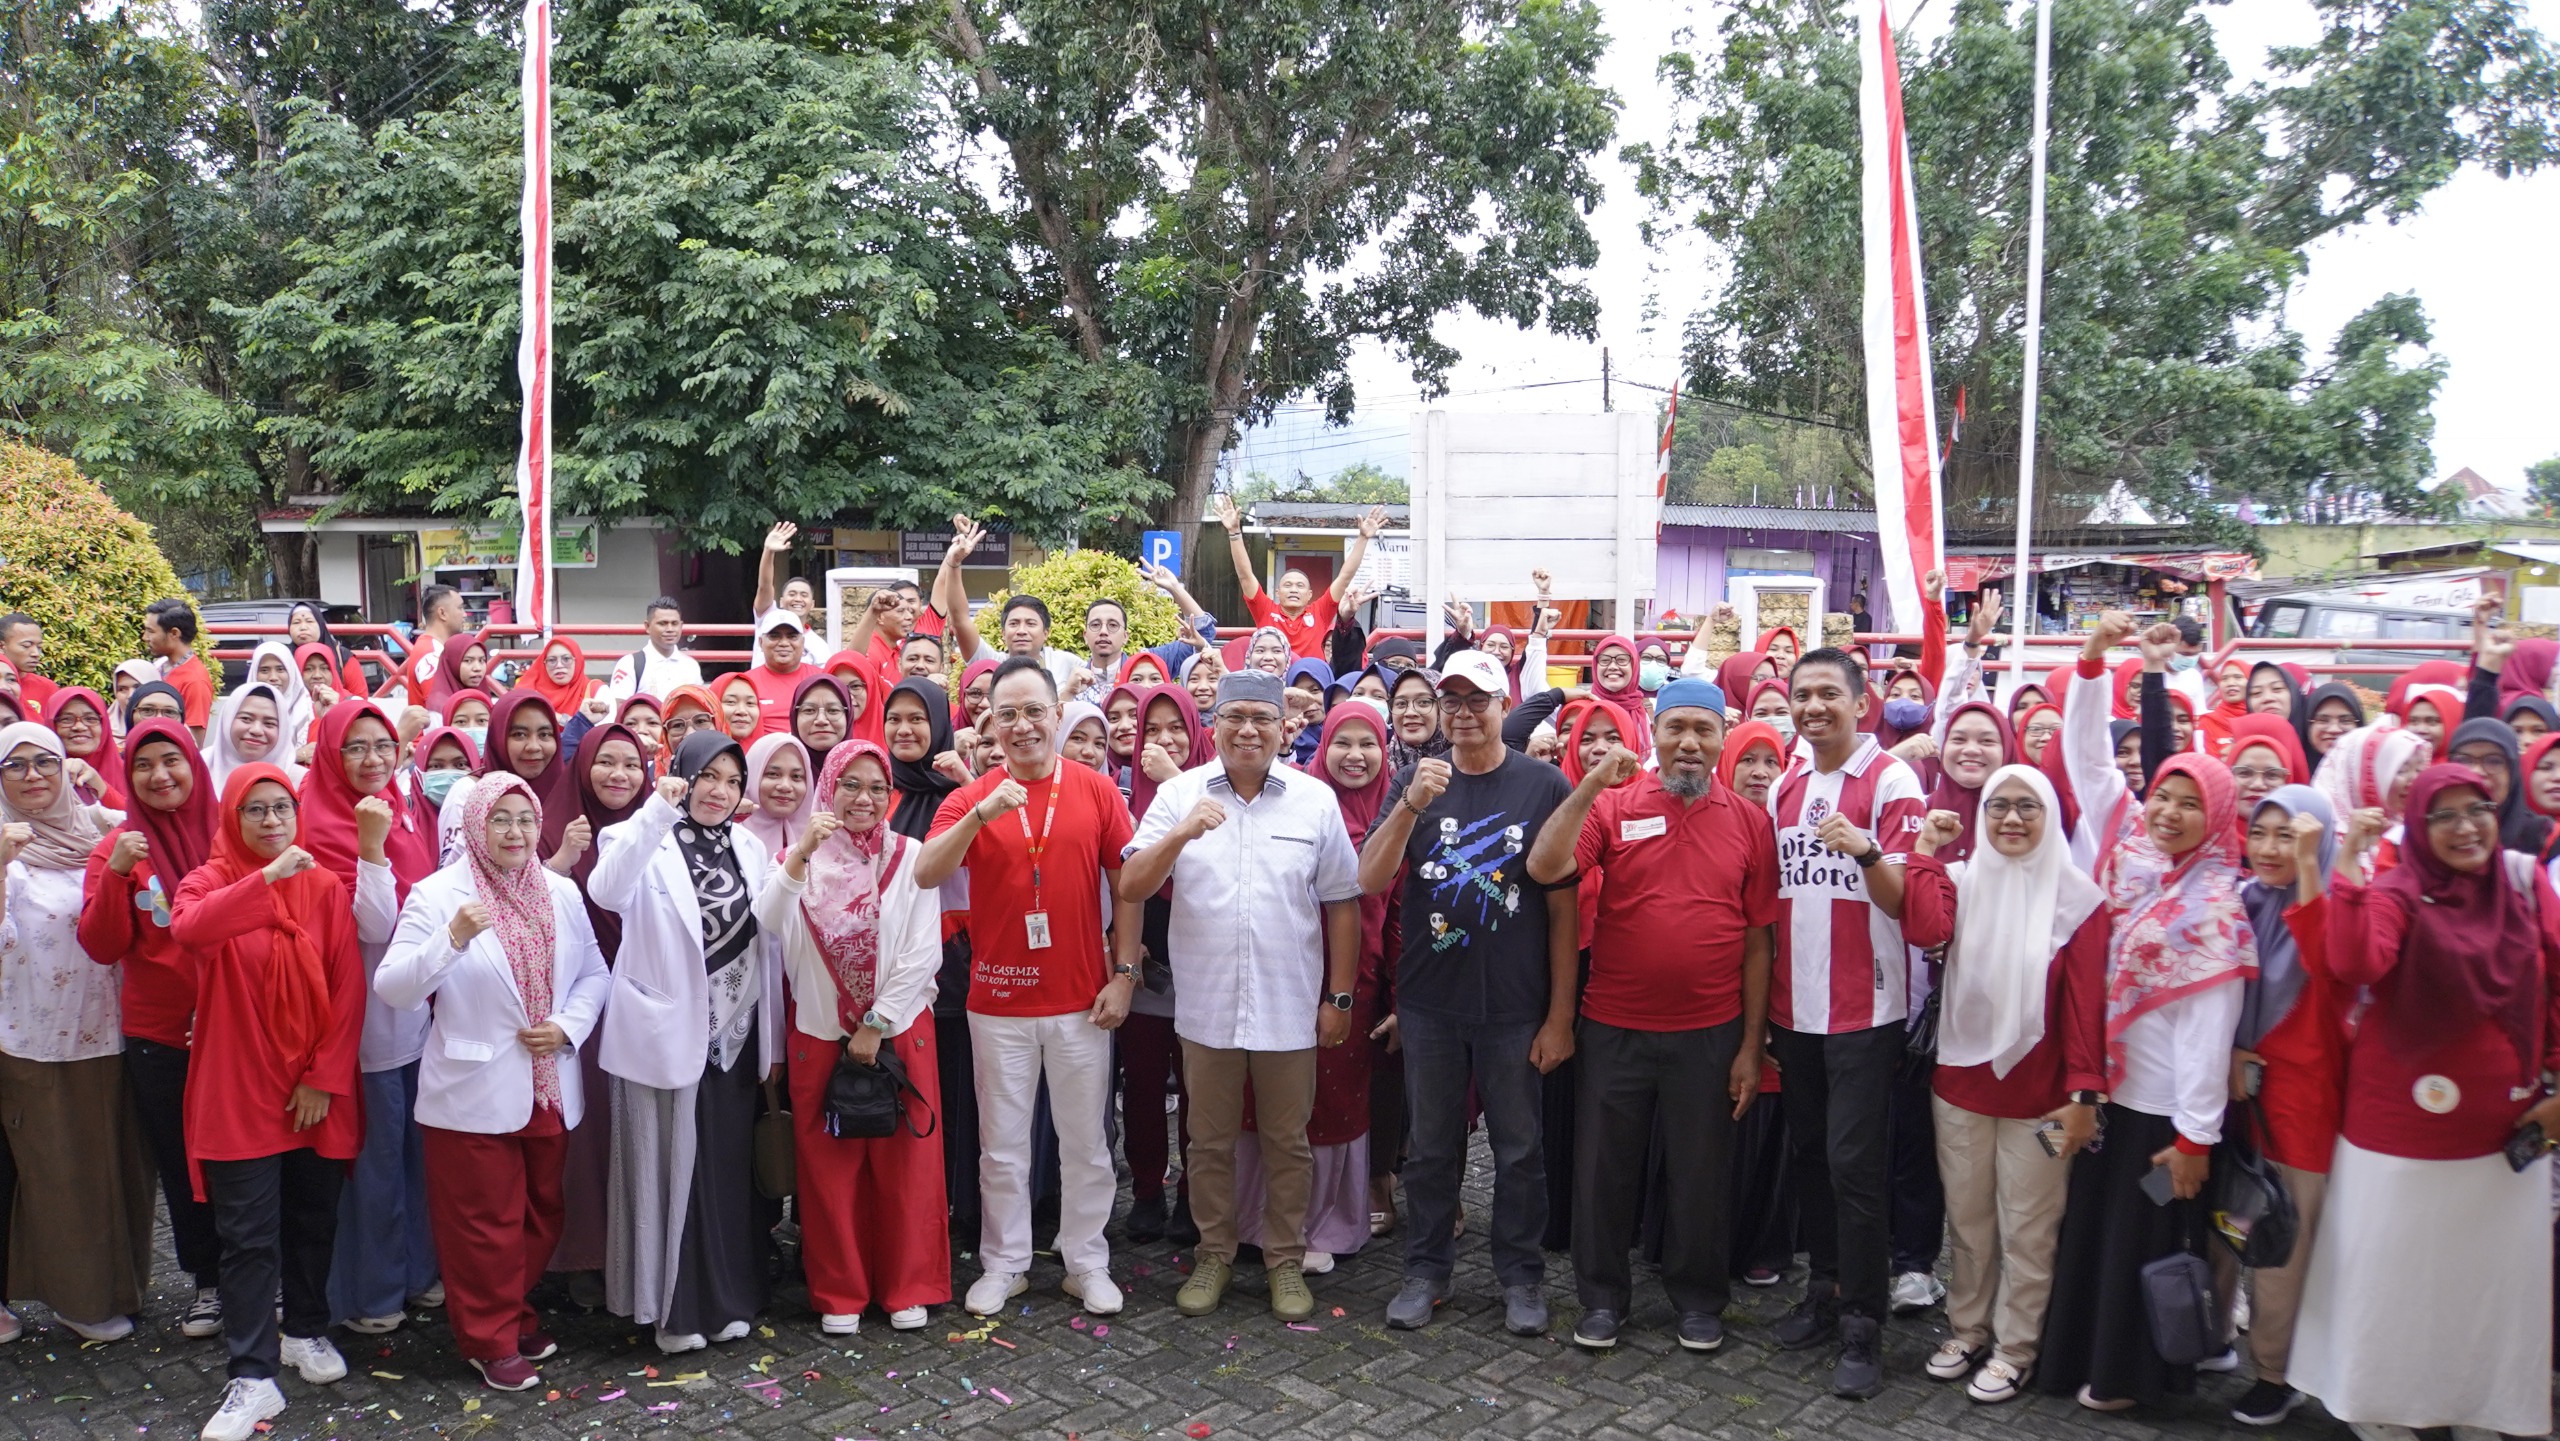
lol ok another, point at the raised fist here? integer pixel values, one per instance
(673, 790)
(1205, 817)
(1430, 778)
(130, 848)
(1841, 834)
(1618, 766)
(821, 826)
(293, 861)
(1008, 796)
(1940, 829)
(467, 922)
(373, 823)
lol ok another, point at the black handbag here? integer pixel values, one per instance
(2177, 1298)
(870, 1101)
(2253, 1210)
(1920, 1040)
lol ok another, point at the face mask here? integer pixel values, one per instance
(2184, 662)
(1652, 674)
(439, 784)
(1905, 715)
(1784, 725)
(479, 735)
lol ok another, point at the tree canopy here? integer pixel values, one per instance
(2182, 204)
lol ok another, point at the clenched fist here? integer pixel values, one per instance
(1159, 763)
(1430, 778)
(373, 826)
(130, 848)
(1940, 829)
(291, 862)
(821, 826)
(1618, 766)
(673, 790)
(1205, 817)
(1842, 835)
(1007, 797)
(467, 922)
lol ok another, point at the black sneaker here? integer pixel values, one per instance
(1597, 1330)
(1180, 1229)
(1860, 1372)
(1812, 1322)
(1701, 1330)
(1145, 1225)
(2267, 1403)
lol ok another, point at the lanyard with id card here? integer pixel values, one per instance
(1035, 922)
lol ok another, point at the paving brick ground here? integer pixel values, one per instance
(1151, 1373)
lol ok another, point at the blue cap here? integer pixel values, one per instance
(1690, 691)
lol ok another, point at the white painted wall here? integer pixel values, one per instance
(341, 568)
(619, 586)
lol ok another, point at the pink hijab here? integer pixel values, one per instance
(846, 875)
(519, 905)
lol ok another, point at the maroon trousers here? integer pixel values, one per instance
(1151, 1069)
(494, 1205)
(874, 1222)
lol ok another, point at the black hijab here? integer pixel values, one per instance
(150, 687)
(920, 787)
(2519, 828)
(2299, 716)
(2334, 690)
(336, 646)
(2550, 713)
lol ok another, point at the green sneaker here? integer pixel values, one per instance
(1208, 1285)
(1290, 1298)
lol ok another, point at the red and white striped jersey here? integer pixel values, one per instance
(1840, 957)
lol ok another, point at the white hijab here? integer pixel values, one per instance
(293, 698)
(2012, 918)
(221, 757)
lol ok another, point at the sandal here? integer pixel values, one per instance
(1381, 1222)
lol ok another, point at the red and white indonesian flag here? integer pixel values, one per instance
(534, 605)
(1902, 428)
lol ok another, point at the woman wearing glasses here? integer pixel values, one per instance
(273, 1111)
(861, 944)
(503, 947)
(132, 878)
(357, 829)
(686, 1252)
(2428, 1300)
(80, 1228)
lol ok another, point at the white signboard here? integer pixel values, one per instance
(1497, 496)
(1387, 568)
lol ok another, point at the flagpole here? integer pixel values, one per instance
(2022, 587)
(534, 599)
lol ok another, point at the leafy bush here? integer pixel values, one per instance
(1071, 580)
(73, 560)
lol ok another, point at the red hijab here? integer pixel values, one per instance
(1775, 631)
(447, 682)
(2022, 722)
(303, 656)
(2472, 951)
(2275, 732)
(1948, 794)
(1767, 685)
(1630, 698)
(2533, 755)
(109, 764)
(555, 790)
(1359, 807)
(1577, 725)
(1127, 676)
(564, 697)
(2429, 681)
(862, 722)
(700, 698)
(720, 693)
(329, 806)
(297, 978)
(1142, 789)
(1733, 677)
(180, 840)
(1739, 741)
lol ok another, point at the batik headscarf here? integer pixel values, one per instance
(519, 904)
(2361, 766)
(727, 906)
(2178, 925)
(842, 900)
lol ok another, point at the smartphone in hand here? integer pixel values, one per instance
(2160, 1186)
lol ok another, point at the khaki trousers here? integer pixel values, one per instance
(2275, 1296)
(2004, 1213)
(1284, 1092)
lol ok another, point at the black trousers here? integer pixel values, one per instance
(1919, 1198)
(1839, 1095)
(1630, 1081)
(158, 1074)
(278, 1218)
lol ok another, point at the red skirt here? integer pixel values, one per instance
(874, 1224)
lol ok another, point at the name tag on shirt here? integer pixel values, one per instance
(1035, 927)
(1645, 829)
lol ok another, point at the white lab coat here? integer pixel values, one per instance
(657, 1027)
(475, 1075)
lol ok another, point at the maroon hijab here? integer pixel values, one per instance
(2472, 952)
(180, 840)
(1142, 788)
(1945, 794)
(608, 924)
(553, 785)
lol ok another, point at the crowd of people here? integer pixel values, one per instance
(2203, 1020)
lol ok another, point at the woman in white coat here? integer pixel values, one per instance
(861, 945)
(692, 1025)
(504, 947)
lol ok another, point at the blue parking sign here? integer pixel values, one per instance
(1161, 547)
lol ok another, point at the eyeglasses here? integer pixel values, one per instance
(698, 721)
(2001, 808)
(2481, 760)
(379, 750)
(875, 791)
(2482, 815)
(1261, 718)
(43, 765)
(1472, 703)
(1016, 714)
(516, 824)
(263, 811)
(1411, 705)
(76, 719)
(2257, 775)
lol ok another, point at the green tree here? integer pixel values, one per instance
(769, 298)
(1359, 483)
(2542, 481)
(1234, 195)
(2182, 205)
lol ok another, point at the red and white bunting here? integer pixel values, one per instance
(534, 603)
(1902, 428)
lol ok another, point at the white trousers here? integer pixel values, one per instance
(1012, 1054)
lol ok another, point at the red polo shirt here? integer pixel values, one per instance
(1679, 886)
(1307, 631)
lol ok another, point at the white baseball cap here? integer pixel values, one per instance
(1477, 669)
(778, 619)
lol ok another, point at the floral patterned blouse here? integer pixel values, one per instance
(55, 1003)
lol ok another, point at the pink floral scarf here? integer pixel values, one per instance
(519, 903)
(2179, 926)
(846, 875)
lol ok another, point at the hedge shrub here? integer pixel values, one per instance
(75, 561)
(1071, 580)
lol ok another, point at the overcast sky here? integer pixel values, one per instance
(2479, 256)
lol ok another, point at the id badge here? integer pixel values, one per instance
(1035, 925)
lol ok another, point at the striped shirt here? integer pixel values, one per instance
(1840, 957)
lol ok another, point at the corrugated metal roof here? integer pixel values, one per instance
(1769, 517)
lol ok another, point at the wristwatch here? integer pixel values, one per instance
(1867, 859)
(1339, 1000)
(1123, 972)
(876, 1021)
(2088, 1098)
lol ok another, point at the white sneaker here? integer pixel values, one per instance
(204, 1318)
(837, 1323)
(734, 1331)
(1916, 1291)
(1096, 1290)
(676, 1344)
(1317, 1263)
(2224, 1364)
(114, 1328)
(246, 1402)
(907, 1318)
(317, 1360)
(377, 1325)
(990, 1291)
(2381, 1431)
(430, 1298)
(11, 1328)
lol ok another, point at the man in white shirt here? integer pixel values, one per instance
(656, 669)
(1266, 903)
(1025, 631)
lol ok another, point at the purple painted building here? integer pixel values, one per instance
(1703, 546)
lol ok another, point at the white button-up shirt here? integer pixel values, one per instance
(1247, 927)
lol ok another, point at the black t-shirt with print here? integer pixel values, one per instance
(1475, 925)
